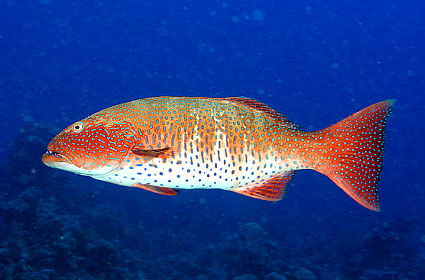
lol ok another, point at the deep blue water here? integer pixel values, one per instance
(316, 62)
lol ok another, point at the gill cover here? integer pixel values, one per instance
(91, 146)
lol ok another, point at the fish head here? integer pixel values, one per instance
(91, 147)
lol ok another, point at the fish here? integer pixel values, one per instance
(166, 144)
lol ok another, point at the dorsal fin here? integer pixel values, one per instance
(252, 103)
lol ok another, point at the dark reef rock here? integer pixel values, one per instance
(275, 276)
(302, 273)
(249, 251)
(246, 277)
(251, 231)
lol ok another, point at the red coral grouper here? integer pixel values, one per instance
(163, 144)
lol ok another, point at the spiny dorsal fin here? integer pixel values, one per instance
(272, 189)
(252, 103)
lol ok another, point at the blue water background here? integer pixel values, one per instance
(314, 61)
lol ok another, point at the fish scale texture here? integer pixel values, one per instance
(236, 143)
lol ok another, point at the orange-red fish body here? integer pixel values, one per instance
(166, 143)
(208, 143)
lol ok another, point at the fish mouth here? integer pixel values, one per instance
(50, 157)
(51, 153)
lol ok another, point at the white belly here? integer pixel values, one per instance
(189, 171)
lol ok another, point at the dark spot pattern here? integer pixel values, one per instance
(234, 143)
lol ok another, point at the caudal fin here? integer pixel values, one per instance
(352, 151)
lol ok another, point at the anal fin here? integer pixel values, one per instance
(155, 189)
(272, 189)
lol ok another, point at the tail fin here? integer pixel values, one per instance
(352, 153)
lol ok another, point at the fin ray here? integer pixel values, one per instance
(272, 189)
(257, 105)
(155, 189)
(353, 153)
(154, 153)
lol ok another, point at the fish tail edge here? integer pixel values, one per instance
(353, 150)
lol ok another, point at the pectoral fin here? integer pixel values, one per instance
(154, 153)
(155, 189)
(272, 189)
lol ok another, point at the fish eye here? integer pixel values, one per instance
(78, 127)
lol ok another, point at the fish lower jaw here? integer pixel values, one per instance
(57, 160)
(50, 158)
